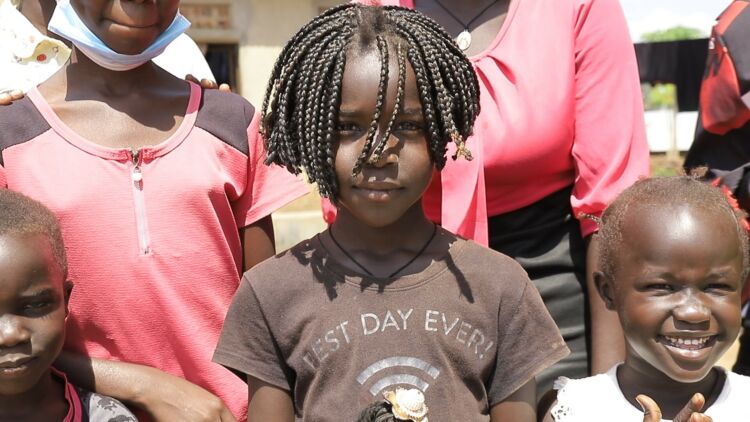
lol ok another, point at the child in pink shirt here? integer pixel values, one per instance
(162, 195)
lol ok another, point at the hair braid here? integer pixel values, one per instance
(382, 86)
(400, 91)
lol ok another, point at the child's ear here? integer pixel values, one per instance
(67, 290)
(605, 288)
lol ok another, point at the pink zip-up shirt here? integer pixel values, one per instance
(153, 241)
(561, 105)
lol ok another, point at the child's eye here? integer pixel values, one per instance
(344, 127)
(659, 287)
(720, 287)
(36, 307)
(410, 126)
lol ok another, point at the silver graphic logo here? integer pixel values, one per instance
(407, 379)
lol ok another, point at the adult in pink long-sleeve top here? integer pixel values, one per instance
(560, 134)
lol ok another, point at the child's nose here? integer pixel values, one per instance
(12, 331)
(692, 311)
(389, 155)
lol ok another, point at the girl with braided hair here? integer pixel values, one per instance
(365, 100)
(560, 135)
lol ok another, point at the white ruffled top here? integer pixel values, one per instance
(599, 398)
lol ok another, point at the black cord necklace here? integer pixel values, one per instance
(401, 268)
(464, 38)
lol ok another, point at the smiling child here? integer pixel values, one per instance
(673, 260)
(365, 101)
(33, 308)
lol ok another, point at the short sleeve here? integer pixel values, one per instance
(3, 177)
(247, 344)
(104, 409)
(528, 342)
(610, 148)
(269, 187)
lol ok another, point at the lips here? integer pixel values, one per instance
(134, 25)
(15, 367)
(378, 185)
(378, 191)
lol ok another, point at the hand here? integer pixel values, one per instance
(690, 413)
(208, 84)
(170, 398)
(8, 97)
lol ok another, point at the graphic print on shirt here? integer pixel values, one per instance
(405, 369)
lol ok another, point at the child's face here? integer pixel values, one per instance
(384, 191)
(677, 289)
(32, 311)
(127, 26)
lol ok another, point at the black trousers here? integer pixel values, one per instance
(546, 240)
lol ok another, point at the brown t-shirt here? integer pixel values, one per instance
(468, 331)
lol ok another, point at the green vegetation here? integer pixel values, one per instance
(665, 95)
(674, 34)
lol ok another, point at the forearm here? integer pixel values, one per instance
(607, 340)
(268, 403)
(518, 407)
(163, 396)
(123, 381)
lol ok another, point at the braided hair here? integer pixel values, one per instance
(301, 104)
(660, 192)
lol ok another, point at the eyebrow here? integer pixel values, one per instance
(412, 111)
(352, 113)
(45, 292)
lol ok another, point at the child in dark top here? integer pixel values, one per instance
(33, 308)
(674, 256)
(365, 100)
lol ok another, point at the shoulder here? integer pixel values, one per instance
(739, 385)
(574, 397)
(283, 271)
(484, 265)
(103, 408)
(20, 122)
(227, 116)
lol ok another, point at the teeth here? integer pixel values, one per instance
(682, 341)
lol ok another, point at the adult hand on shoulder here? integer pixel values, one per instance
(208, 84)
(690, 413)
(8, 97)
(172, 398)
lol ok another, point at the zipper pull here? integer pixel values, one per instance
(136, 174)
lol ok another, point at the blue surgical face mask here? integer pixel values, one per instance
(66, 23)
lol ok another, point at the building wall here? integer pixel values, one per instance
(260, 28)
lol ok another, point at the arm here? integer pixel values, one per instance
(164, 397)
(257, 242)
(607, 339)
(610, 148)
(518, 407)
(268, 403)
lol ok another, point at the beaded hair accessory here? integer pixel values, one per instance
(407, 405)
(732, 201)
